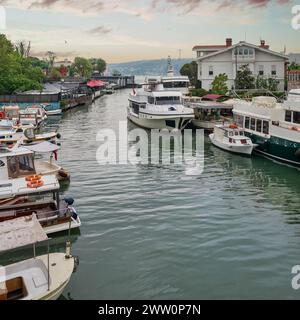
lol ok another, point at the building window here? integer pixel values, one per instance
(296, 117)
(251, 52)
(261, 70)
(273, 70)
(211, 71)
(246, 52)
(288, 116)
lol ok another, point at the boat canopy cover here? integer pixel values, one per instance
(21, 232)
(43, 147)
(95, 83)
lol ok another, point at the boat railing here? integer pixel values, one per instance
(248, 94)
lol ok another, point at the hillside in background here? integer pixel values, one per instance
(147, 67)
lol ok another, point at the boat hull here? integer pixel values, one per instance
(179, 122)
(56, 228)
(279, 149)
(240, 149)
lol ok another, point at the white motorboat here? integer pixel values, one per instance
(40, 278)
(13, 160)
(232, 139)
(34, 115)
(38, 195)
(27, 134)
(153, 107)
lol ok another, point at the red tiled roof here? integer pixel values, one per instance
(95, 83)
(212, 97)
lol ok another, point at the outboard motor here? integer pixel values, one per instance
(70, 201)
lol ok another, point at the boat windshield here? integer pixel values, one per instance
(176, 84)
(168, 100)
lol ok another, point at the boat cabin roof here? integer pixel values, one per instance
(6, 152)
(165, 93)
(18, 187)
(211, 105)
(21, 232)
(176, 79)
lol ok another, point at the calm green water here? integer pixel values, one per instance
(152, 232)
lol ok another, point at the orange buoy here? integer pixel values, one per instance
(233, 126)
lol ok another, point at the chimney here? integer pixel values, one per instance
(264, 45)
(228, 42)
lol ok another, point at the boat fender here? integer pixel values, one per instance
(58, 136)
(63, 174)
(76, 263)
(297, 153)
(69, 201)
(2, 115)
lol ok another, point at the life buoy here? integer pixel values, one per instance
(35, 184)
(233, 126)
(33, 178)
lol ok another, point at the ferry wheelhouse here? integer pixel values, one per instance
(274, 127)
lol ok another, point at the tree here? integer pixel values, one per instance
(190, 70)
(219, 85)
(16, 71)
(270, 84)
(98, 65)
(55, 74)
(82, 67)
(244, 79)
(294, 66)
(23, 48)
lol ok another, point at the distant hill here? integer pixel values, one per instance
(148, 67)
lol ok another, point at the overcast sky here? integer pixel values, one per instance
(120, 30)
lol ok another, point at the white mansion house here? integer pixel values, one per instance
(228, 58)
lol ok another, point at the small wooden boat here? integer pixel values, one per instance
(40, 196)
(232, 139)
(40, 278)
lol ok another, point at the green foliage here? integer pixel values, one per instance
(36, 62)
(55, 74)
(16, 72)
(270, 84)
(190, 70)
(82, 67)
(244, 79)
(294, 66)
(219, 85)
(98, 65)
(199, 92)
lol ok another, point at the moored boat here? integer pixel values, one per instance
(39, 278)
(232, 139)
(40, 196)
(155, 108)
(274, 127)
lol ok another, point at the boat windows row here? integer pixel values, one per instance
(292, 116)
(164, 100)
(177, 84)
(254, 124)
